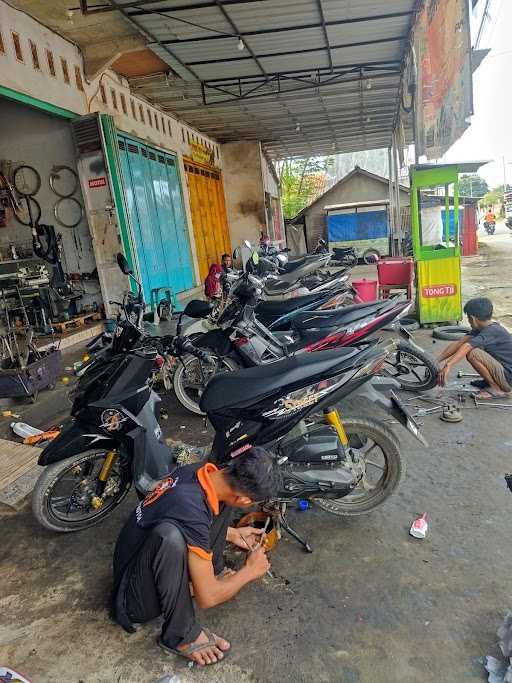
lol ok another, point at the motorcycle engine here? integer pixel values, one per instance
(316, 464)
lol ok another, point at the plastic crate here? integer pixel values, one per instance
(395, 270)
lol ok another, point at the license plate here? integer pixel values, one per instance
(406, 419)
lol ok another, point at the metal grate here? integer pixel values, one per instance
(86, 134)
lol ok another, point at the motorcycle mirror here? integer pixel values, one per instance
(236, 254)
(123, 264)
(282, 258)
(248, 244)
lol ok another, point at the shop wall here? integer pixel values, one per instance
(27, 70)
(243, 187)
(31, 137)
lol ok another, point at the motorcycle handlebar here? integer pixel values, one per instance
(177, 346)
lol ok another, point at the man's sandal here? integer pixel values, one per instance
(489, 394)
(211, 642)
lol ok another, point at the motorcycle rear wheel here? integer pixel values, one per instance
(79, 473)
(188, 388)
(364, 436)
(415, 370)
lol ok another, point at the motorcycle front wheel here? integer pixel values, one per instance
(64, 497)
(376, 445)
(191, 377)
(414, 369)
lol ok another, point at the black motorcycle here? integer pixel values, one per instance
(346, 466)
(490, 227)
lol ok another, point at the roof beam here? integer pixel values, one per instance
(302, 51)
(281, 29)
(324, 31)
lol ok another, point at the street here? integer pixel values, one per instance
(370, 605)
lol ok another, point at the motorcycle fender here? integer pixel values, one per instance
(73, 439)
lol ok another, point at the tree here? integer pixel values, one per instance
(302, 180)
(472, 185)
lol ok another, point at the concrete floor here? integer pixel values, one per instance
(370, 605)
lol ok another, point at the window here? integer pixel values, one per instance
(150, 120)
(17, 46)
(141, 113)
(35, 56)
(2, 46)
(157, 125)
(113, 95)
(78, 79)
(134, 111)
(65, 71)
(163, 124)
(103, 94)
(169, 127)
(183, 134)
(51, 63)
(123, 104)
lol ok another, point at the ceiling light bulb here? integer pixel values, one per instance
(368, 84)
(297, 128)
(241, 45)
(70, 14)
(368, 119)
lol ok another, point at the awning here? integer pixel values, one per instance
(306, 77)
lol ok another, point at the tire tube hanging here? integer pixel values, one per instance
(59, 219)
(37, 179)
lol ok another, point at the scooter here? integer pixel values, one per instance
(241, 340)
(346, 467)
(490, 227)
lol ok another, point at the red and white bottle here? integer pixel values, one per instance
(419, 528)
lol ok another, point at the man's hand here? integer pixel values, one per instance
(245, 537)
(257, 563)
(442, 377)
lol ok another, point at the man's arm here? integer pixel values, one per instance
(461, 353)
(452, 348)
(210, 591)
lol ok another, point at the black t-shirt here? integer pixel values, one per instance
(187, 499)
(498, 343)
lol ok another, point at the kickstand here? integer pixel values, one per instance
(284, 524)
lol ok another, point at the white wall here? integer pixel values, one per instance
(32, 137)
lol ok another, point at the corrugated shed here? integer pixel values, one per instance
(313, 77)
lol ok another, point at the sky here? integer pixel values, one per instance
(490, 133)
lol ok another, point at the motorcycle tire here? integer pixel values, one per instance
(55, 473)
(371, 256)
(191, 403)
(450, 332)
(359, 431)
(407, 357)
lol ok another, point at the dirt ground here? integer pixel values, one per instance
(370, 605)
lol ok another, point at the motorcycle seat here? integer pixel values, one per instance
(247, 386)
(277, 308)
(339, 317)
(292, 265)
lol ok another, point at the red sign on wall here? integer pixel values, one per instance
(433, 291)
(97, 182)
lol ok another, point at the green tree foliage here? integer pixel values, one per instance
(302, 180)
(472, 185)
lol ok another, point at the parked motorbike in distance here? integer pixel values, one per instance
(242, 340)
(490, 227)
(345, 466)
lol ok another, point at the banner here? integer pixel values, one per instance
(444, 87)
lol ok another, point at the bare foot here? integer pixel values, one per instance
(210, 654)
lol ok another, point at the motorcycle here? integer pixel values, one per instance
(345, 466)
(242, 340)
(489, 227)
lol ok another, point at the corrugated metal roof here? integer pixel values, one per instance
(314, 77)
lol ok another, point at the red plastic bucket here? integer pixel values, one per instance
(366, 290)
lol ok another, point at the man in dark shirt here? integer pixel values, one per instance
(488, 348)
(176, 535)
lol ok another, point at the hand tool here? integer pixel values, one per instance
(487, 404)
(251, 550)
(461, 373)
